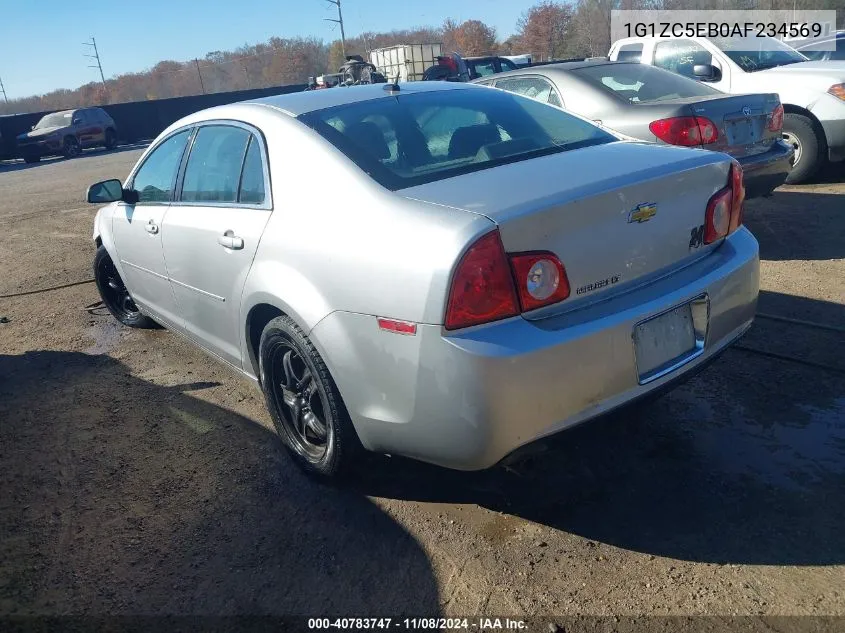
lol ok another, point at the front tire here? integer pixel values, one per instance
(71, 148)
(111, 139)
(114, 294)
(801, 134)
(31, 158)
(304, 402)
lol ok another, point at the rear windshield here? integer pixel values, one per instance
(639, 83)
(412, 139)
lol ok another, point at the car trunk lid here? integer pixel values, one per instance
(617, 215)
(742, 121)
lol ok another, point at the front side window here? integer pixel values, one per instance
(639, 83)
(507, 65)
(681, 56)
(155, 179)
(532, 87)
(482, 69)
(214, 166)
(445, 133)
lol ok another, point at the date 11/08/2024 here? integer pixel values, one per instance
(407, 624)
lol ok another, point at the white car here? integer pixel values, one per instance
(812, 93)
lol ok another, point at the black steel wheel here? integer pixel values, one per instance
(71, 148)
(304, 402)
(114, 294)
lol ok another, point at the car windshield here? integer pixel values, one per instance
(57, 119)
(412, 139)
(639, 83)
(753, 53)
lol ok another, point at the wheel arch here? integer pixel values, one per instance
(790, 108)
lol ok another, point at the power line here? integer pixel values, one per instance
(96, 56)
(339, 21)
(3, 90)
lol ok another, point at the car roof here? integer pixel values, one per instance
(545, 68)
(297, 103)
(839, 35)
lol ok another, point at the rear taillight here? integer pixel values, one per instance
(540, 279)
(482, 286)
(776, 120)
(724, 210)
(685, 130)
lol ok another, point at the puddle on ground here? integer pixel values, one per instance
(106, 335)
(799, 450)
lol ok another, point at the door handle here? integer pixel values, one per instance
(231, 241)
(151, 227)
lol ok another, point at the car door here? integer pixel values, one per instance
(211, 233)
(88, 129)
(136, 229)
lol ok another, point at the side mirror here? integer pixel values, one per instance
(111, 191)
(706, 72)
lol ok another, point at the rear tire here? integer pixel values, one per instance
(304, 402)
(114, 294)
(801, 134)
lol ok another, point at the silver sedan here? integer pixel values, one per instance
(436, 270)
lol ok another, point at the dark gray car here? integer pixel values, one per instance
(66, 133)
(653, 104)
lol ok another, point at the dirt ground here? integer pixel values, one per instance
(140, 477)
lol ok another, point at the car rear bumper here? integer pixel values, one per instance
(467, 400)
(767, 171)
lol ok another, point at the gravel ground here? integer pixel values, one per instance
(140, 477)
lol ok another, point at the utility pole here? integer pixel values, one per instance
(96, 56)
(3, 90)
(199, 74)
(339, 21)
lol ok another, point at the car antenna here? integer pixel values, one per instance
(394, 87)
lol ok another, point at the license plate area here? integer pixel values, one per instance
(669, 340)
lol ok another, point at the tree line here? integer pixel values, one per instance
(548, 30)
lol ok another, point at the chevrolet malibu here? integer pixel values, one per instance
(435, 270)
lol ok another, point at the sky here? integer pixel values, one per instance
(41, 42)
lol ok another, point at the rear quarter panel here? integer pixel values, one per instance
(337, 241)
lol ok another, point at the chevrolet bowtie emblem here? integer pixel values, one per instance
(642, 212)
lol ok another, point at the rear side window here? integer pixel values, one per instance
(630, 53)
(639, 83)
(252, 178)
(213, 172)
(155, 179)
(482, 69)
(424, 137)
(533, 87)
(680, 56)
